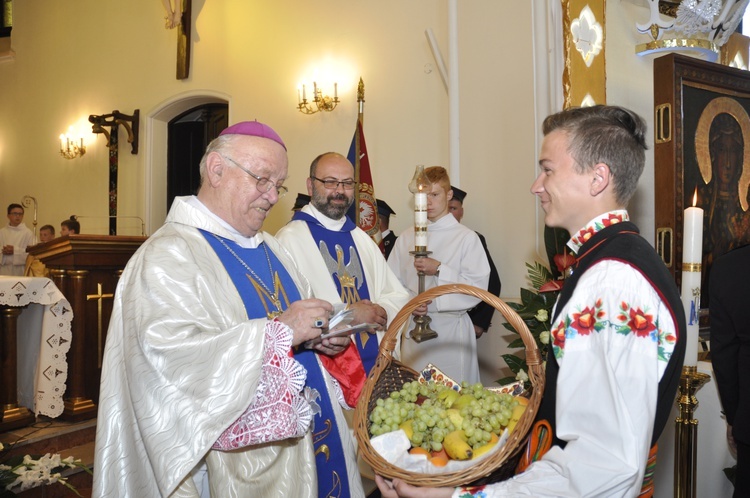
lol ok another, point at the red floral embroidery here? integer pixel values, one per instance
(612, 219)
(558, 334)
(641, 323)
(584, 321)
(585, 234)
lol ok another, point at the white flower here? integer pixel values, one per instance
(522, 375)
(544, 337)
(542, 315)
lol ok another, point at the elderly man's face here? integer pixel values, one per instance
(245, 206)
(335, 202)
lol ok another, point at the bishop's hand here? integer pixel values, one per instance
(306, 318)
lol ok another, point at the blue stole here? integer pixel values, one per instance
(330, 463)
(345, 266)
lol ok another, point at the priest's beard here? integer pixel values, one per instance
(323, 202)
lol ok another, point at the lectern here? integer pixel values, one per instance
(86, 268)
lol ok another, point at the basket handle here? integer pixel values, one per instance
(388, 344)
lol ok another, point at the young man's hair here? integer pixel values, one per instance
(72, 224)
(49, 228)
(11, 207)
(611, 135)
(439, 175)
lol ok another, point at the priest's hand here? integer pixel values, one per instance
(306, 318)
(8, 249)
(332, 346)
(365, 311)
(399, 489)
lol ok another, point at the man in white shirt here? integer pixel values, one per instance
(14, 239)
(618, 334)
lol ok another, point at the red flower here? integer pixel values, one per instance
(641, 323)
(584, 321)
(558, 334)
(612, 220)
(563, 261)
(585, 234)
(551, 286)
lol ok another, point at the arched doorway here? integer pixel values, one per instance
(188, 136)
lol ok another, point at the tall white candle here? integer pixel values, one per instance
(692, 257)
(420, 220)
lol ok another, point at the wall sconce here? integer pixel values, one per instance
(322, 102)
(69, 147)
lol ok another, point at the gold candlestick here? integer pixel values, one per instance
(686, 432)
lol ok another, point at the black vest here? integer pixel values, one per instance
(622, 242)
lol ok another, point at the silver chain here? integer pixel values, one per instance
(257, 278)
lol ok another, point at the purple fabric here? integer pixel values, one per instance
(254, 129)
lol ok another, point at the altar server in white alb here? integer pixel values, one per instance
(14, 239)
(342, 262)
(204, 390)
(457, 258)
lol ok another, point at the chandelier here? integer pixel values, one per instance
(699, 26)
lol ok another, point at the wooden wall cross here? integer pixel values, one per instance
(179, 15)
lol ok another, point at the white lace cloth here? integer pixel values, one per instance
(49, 346)
(279, 410)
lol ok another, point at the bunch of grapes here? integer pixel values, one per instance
(428, 412)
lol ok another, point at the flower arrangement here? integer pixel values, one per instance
(535, 308)
(21, 473)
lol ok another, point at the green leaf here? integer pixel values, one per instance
(516, 343)
(538, 274)
(515, 363)
(502, 382)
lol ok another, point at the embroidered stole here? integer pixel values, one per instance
(345, 267)
(330, 462)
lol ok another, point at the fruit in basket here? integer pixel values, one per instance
(463, 401)
(448, 397)
(516, 416)
(408, 428)
(487, 447)
(456, 445)
(420, 451)
(455, 417)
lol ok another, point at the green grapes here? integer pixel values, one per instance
(434, 412)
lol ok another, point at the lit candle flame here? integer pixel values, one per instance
(695, 197)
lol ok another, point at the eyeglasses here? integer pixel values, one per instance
(334, 184)
(16, 213)
(264, 184)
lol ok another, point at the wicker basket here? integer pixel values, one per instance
(388, 375)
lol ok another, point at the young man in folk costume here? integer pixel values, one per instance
(619, 326)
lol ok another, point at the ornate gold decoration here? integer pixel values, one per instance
(691, 267)
(584, 74)
(686, 432)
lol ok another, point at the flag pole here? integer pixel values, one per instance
(358, 154)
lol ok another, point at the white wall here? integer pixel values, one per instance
(92, 57)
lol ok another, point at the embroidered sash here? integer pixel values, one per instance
(330, 462)
(345, 267)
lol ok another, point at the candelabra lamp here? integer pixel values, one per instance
(686, 432)
(322, 102)
(420, 185)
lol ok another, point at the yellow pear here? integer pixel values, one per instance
(463, 401)
(455, 417)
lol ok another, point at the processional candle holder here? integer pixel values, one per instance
(686, 427)
(420, 185)
(686, 432)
